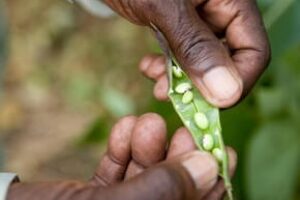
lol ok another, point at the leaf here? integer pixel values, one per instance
(273, 162)
(284, 33)
(97, 132)
(271, 101)
(117, 103)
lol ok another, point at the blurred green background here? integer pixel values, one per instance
(59, 95)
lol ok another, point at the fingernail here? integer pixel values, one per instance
(221, 83)
(203, 169)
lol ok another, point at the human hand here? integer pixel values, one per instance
(221, 44)
(138, 165)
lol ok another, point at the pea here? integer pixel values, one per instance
(208, 142)
(218, 153)
(177, 72)
(183, 87)
(187, 97)
(201, 120)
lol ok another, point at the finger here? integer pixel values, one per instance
(161, 87)
(149, 140)
(200, 52)
(156, 67)
(218, 190)
(181, 143)
(180, 179)
(114, 163)
(146, 61)
(245, 35)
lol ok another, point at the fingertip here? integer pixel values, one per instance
(156, 68)
(221, 86)
(232, 155)
(182, 142)
(146, 61)
(203, 169)
(119, 140)
(218, 191)
(149, 139)
(160, 90)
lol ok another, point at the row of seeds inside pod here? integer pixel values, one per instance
(200, 118)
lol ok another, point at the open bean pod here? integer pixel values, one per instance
(200, 118)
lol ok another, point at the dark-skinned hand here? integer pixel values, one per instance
(221, 44)
(139, 164)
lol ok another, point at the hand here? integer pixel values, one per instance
(138, 165)
(221, 44)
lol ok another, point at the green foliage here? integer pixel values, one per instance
(273, 161)
(117, 103)
(97, 132)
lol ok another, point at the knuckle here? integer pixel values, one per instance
(155, 10)
(145, 6)
(195, 48)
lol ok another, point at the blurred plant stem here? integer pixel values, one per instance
(276, 10)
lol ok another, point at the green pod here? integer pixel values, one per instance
(198, 116)
(201, 119)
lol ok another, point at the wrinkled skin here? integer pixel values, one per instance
(139, 164)
(221, 44)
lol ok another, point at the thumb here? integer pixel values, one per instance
(201, 53)
(187, 177)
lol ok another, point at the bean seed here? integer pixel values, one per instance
(177, 72)
(183, 87)
(187, 97)
(208, 142)
(201, 120)
(218, 154)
